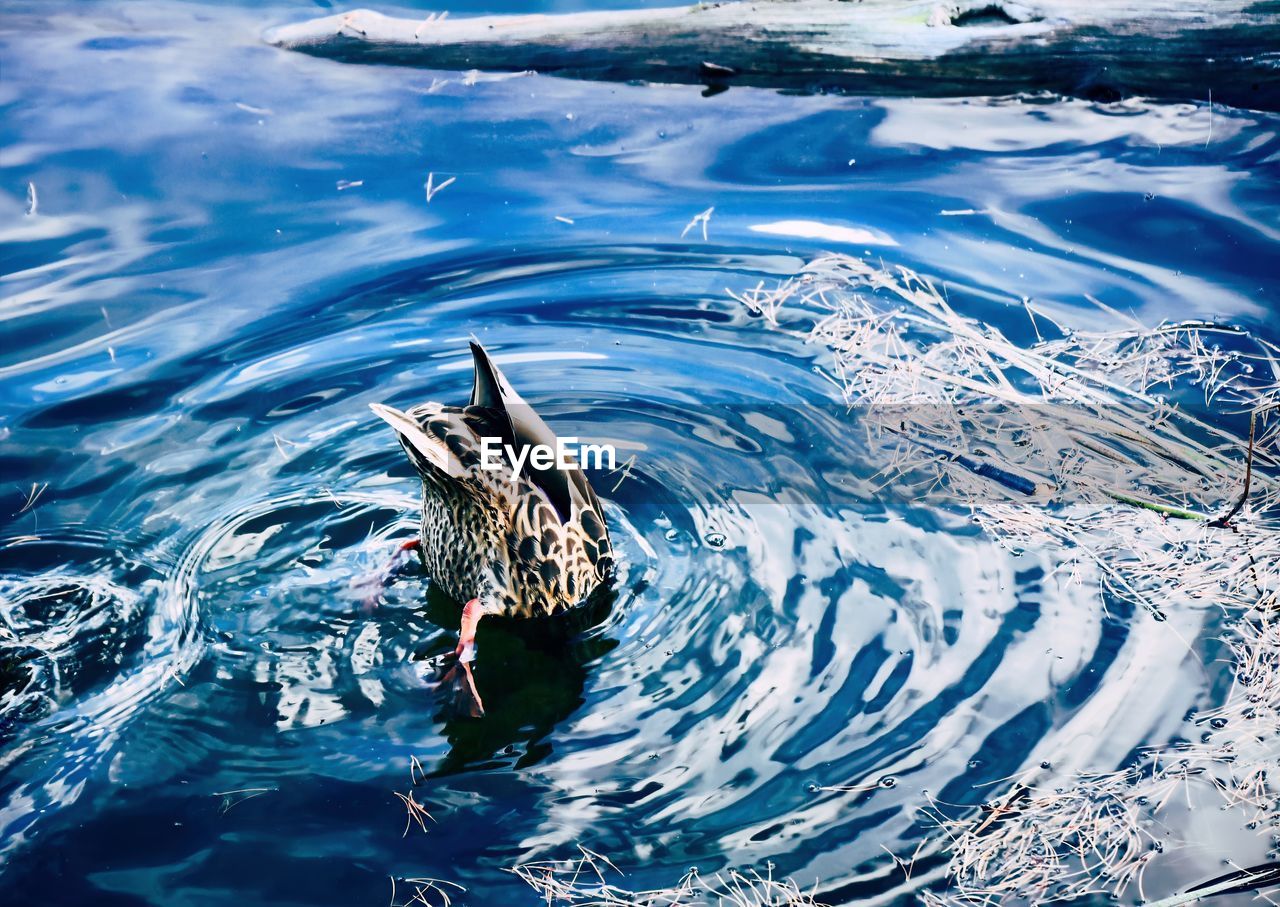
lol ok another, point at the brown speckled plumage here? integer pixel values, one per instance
(525, 544)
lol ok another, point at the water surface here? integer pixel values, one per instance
(233, 254)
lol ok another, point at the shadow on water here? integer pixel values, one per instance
(529, 673)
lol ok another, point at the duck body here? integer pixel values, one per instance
(499, 533)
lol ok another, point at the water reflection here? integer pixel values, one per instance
(199, 317)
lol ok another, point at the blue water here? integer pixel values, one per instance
(196, 317)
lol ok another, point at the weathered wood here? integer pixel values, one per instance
(1094, 48)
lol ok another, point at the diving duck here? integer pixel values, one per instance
(504, 534)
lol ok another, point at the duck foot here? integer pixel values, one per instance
(463, 682)
(465, 653)
(375, 584)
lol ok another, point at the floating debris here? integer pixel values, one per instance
(584, 882)
(233, 798)
(281, 442)
(564, 220)
(424, 892)
(249, 108)
(623, 472)
(1067, 445)
(1242, 880)
(433, 188)
(417, 813)
(349, 184)
(33, 496)
(704, 218)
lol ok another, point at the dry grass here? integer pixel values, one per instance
(415, 813)
(425, 892)
(1067, 443)
(585, 882)
(1045, 846)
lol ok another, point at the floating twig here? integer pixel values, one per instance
(32, 496)
(704, 218)
(1238, 882)
(1225, 519)
(249, 793)
(1179, 513)
(584, 882)
(416, 812)
(424, 888)
(433, 188)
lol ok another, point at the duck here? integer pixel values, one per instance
(502, 532)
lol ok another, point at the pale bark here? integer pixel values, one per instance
(1096, 48)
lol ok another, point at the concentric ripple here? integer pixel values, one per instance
(795, 659)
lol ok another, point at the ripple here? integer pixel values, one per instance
(794, 660)
(778, 635)
(88, 634)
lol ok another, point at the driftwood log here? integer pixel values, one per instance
(1102, 49)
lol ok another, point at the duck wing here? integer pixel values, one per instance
(446, 439)
(444, 442)
(496, 405)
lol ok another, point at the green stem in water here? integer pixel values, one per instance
(1179, 513)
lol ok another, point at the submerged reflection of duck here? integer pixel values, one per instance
(534, 676)
(521, 539)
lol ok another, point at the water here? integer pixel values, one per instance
(197, 707)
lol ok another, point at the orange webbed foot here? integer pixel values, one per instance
(373, 585)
